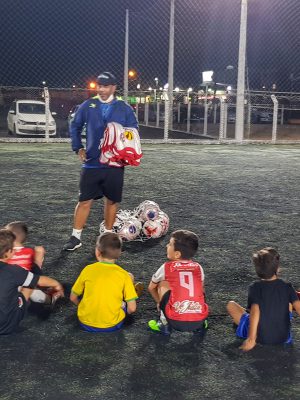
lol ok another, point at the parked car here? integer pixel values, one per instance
(28, 117)
(71, 117)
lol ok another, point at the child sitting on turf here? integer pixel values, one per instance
(26, 257)
(102, 288)
(178, 288)
(31, 259)
(13, 301)
(269, 300)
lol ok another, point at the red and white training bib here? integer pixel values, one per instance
(187, 301)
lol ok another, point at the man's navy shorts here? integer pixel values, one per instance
(98, 182)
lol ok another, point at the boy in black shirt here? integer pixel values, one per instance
(13, 301)
(269, 305)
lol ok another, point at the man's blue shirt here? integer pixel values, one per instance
(96, 116)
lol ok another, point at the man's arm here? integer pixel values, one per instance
(76, 127)
(250, 342)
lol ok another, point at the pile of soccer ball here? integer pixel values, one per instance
(147, 221)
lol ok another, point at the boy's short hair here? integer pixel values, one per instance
(7, 239)
(19, 228)
(266, 262)
(109, 244)
(186, 242)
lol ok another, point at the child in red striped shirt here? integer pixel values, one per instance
(28, 258)
(31, 259)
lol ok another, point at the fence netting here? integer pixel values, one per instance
(63, 46)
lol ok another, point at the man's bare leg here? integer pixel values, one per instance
(81, 214)
(110, 212)
(82, 211)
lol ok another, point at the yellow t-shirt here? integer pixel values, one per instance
(103, 286)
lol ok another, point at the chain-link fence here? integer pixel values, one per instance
(159, 67)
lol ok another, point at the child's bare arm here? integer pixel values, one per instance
(131, 307)
(152, 288)
(50, 282)
(250, 342)
(39, 255)
(74, 298)
(296, 306)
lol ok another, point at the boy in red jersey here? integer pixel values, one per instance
(178, 288)
(26, 257)
(16, 286)
(31, 259)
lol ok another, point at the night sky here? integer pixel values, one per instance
(69, 42)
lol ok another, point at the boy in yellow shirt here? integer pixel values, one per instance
(102, 288)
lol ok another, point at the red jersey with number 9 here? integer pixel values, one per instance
(187, 301)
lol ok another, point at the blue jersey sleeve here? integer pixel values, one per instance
(76, 127)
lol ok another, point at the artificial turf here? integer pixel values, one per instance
(237, 198)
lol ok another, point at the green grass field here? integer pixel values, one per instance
(237, 198)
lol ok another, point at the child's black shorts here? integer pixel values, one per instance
(183, 326)
(98, 182)
(15, 317)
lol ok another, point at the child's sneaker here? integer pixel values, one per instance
(159, 327)
(139, 287)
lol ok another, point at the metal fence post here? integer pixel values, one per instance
(275, 117)
(282, 115)
(205, 112)
(146, 116)
(215, 113)
(47, 112)
(126, 56)
(171, 63)
(240, 95)
(223, 120)
(167, 119)
(188, 121)
(178, 113)
(137, 111)
(157, 113)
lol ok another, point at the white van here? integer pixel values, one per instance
(28, 117)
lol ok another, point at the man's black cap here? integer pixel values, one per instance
(106, 78)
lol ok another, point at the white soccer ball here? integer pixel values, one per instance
(164, 220)
(126, 226)
(152, 229)
(129, 229)
(147, 211)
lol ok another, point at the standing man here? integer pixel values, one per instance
(98, 180)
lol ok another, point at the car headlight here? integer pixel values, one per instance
(21, 122)
(52, 123)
